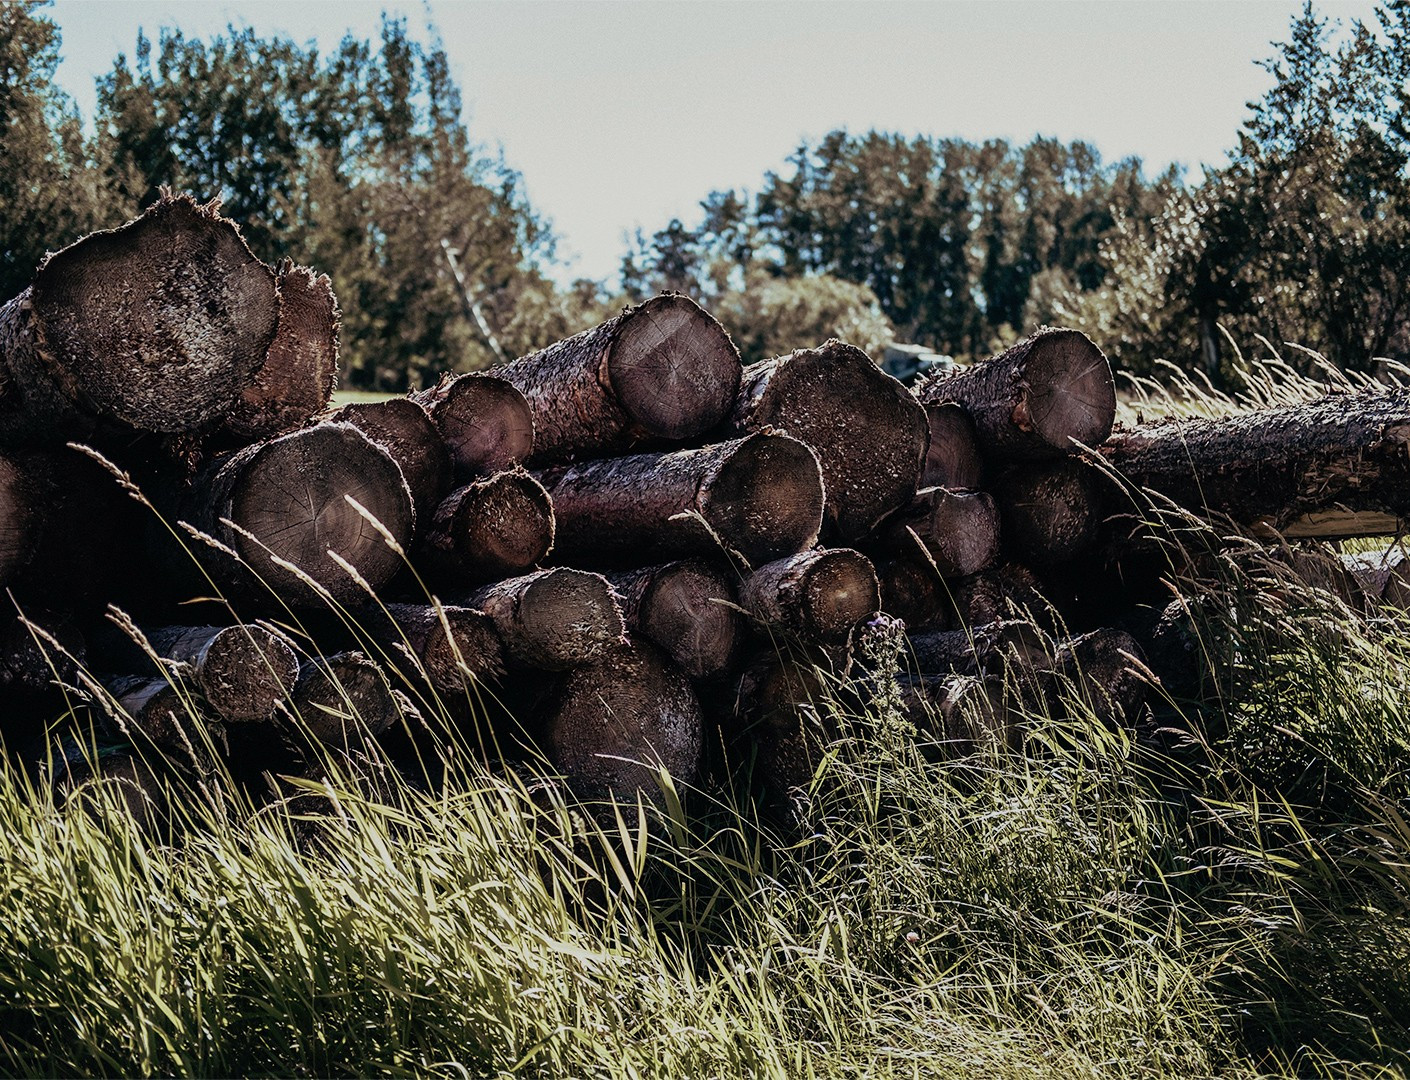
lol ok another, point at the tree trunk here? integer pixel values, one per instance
(288, 499)
(158, 326)
(243, 672)
(953, 460)
(912, 589)
(618, 722)
(1335, 467)
(489, 529)
(452, 646)
(484, 420)
(689, 609)
(981, 650)
(344, 700)
(553, 619)
(403, 429)
(300, 370)
(1036, 399)
(1107, 670)
(665, 369)
(869, 433)
(1050, 510)
(818, 595)
(960, 529)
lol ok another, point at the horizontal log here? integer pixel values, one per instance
(912, 589)
(688, 608)
(981, 650)
(453, 646)
(484, 420)
(402, 428)
(960, 529)
(243, 672)
(553, 619)
(1051, 511)
(497, 526)
(344, 700)
(953, 460)
(820, 595)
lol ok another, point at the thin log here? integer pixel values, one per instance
(155, 713)
(953, 460)
(665, 369)
(912, 589)
(1036, 400)
(820, 595)
(1107, 669)
(402, 428)
(1050, 510)
(159, 325)
(960, 529)
(344, 700)
(760, 496)
(243, 672)
(453, 645)
(484, 420)
(870, 434)
(688, 608)
(495, 527)
(1335, 467)
(981, 650)
(553, 619)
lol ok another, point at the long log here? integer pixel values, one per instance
(300, 369)
(155, 714)
(665, 369)
(1035, 400)
(1107, 669)
(243, 672)
(688, 608)
(402, 428)
(981, 650)
(960, 529)
(870, 434)
(1050, 510)
(288, 499)
(553, 619)
(452, 645)
(760, 496)
(495, 527)
(616, 723)
(1335, 467)
(819, 595)
(484, 420)
(1384, 575)
(953, 460)
(158, 325)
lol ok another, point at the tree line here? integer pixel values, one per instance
(358, 162)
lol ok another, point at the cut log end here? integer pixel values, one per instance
(245, 671)
(1072, 396)
(553, 619)
(688, 608)
(953, 460)
(491, 528)
(485, 421)
(1050, 510)
(960, 529)
(766, 499)
(405, 431)
(345, 699)
(842, 591)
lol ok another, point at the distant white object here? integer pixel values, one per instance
(909, 362)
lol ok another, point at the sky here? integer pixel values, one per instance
(621, 115)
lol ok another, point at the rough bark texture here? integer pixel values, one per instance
(912, 590)
(690, 609)
(491, 528)
(953, 460)
(1050, 510)
(452, 646)
(19, 519)
(154, 713)
(484, 420)
(869, 433)
(960, 529)
(38, 651)
(1009, 591)
(344, 700)
(761, 496)
(300, 369)
(553, 619)
(618, 722)
(819, 595)
(288, 499)
(158, 325)
(243, 672)
(665, 369)
(1036, 399)
(981, 650)
(957, 715)
(402, 428)
(1107, 669)
(1335, 467)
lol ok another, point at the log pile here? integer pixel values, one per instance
(630, 539)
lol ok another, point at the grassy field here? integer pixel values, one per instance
(1221, 891)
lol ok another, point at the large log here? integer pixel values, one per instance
(1035, 400)
(484, 420)
(553, 619)
(403, 429)
(495, 527)
(665, 369)
(452, 645)
(760, 496)
(869, 433)
(296, 380)
(960, 529)
(1050, 510)
(690, 609)
(912, 589)
(956, 715)
(617, 723)
(158, 325)
(1335, 467)
(243, 672)
(953, 460)
(288, 499)
(819, 595)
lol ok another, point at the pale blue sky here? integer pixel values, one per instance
(623, 114)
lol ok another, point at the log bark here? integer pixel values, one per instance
(981, 650)
(452, 646)
(243, 672)
(496, 527)
(761, 497)
(1010, 591)
(957, 715)
(819, 595)
(688, 608)
(553, 619)
(1335, 467)
(20, 512)
(402, 428)
(344, 700)
(960, 529)
(300, 369)
(913, 591)
(618, 722)
(288, 499)
(484, 420)
(155, 714)
(39, 651)
(953, 460)
(158, 325)
(1035, 400)
(1050, 511)
(870, 434)
(665, 369)
(1107, 669)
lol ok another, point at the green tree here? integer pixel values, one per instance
(770, 316)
